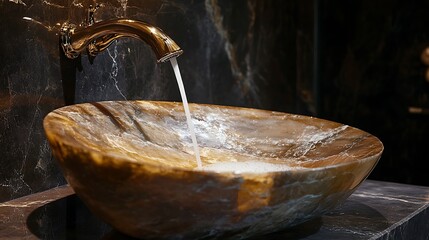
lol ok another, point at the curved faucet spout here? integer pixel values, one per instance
(100, 35)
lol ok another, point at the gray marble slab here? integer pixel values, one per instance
(377, 210)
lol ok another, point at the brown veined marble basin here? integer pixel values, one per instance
(133, 165)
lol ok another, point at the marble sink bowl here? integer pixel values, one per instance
(133, 165)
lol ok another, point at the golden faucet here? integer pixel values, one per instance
(98, 36)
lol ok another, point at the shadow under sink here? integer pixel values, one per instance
(69, 218)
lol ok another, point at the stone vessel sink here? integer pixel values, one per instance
(133, 165)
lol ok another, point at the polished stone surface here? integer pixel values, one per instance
(376, 210)
(132, 163)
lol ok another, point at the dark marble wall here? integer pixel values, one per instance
(371, 73)
(355, 62)
(240, 53)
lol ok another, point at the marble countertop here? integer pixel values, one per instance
(377, 210)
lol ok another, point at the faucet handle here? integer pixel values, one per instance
(67, 29)
(91, 11)
(92, 48)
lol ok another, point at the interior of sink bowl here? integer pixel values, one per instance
(132, 163)
(157, 133)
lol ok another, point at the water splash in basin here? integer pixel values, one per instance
(247, 167)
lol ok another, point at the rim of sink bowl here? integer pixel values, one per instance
(124, 160)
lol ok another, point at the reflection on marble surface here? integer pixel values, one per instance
(132, 163)
(377, 210)
(13, 214)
